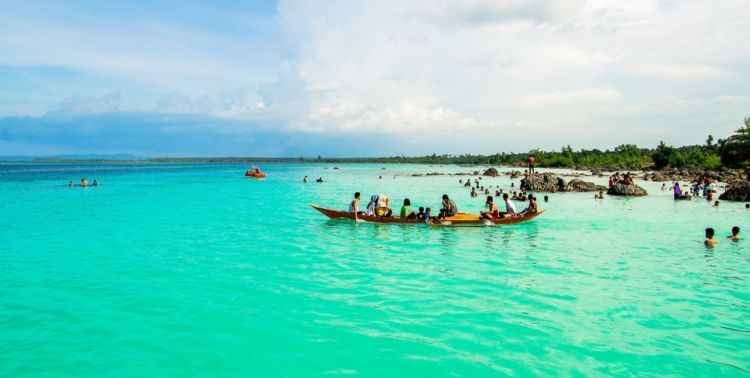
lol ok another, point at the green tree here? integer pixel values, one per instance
(735, 150)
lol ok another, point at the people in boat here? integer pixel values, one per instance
(354, 206)
(449, 207)
(710, 239)
(406, 212)
(304, 179)
(492, 211)
(380, 205)
(427, 214)
(95, 183)
(599, 196)
(532, 209)
(70, 183)
(474, 192)
(510, 208)
(320, 179)
(420, 214)
(84, 182)
(257, 170)
(735, 234)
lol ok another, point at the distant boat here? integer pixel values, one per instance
(460, 219)
(255, 172)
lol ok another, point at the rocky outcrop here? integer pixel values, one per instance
(492, 172)
(548, 182)
(730, 176)
(545, 182)
(626, 190)
(576, 185)
(739, 192)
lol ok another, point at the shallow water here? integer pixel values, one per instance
(191, 269)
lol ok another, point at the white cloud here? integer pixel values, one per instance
(503, 68)
(71, 106)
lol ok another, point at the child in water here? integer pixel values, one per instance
(710, 239)
(735, 234)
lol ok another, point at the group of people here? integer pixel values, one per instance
(319, 179)
(711, 238)
(380, 206)
(703, 187)
(493, 211)
(84, 183)
(626, 179)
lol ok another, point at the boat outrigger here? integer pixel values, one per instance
(456, 220)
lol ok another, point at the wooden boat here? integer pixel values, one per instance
(254, 174)
(456, 220)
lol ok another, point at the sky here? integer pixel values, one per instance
(368, 78)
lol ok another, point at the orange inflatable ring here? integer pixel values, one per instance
(251, 173)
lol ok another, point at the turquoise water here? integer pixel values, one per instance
(193, 270)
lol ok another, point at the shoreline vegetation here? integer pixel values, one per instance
(733, 152)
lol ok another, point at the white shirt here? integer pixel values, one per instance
(510, 207)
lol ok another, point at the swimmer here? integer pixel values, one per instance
(320, 179)
(735, 234)
(710, 239)
(716, 204)
(84, 182)
(95, 183)
(70, 184)
(304, 179)
(599, 196)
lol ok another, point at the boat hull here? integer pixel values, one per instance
(458, 219)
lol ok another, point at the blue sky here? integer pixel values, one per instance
(342, 78)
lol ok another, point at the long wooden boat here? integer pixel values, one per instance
(456, 220)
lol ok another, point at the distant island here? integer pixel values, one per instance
(732, 152)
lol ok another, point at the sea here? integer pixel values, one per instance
(192, 270)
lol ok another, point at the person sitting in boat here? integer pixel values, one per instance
(354, 206)
(406, 212)
(380, 205)
(474, 192)
(532, 209)
(427, 214)
(420, 214)
(510, 208)
(449, 207)
(257, 170)
(492, 211)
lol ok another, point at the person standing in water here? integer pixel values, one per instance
(710, 239)
(735, 234)
(304, 179)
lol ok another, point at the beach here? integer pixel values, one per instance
(184, 269)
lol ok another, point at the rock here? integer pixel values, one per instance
(738, 192)
(548, 182)
(476, 173)
(596, 172)
(626, 190)
(545, 182)
(491, 172)
(435, 174)
(576, 185)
